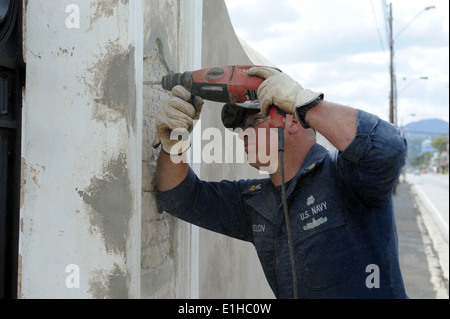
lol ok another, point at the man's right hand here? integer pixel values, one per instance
(176, 121)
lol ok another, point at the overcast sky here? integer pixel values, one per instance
(340, 47)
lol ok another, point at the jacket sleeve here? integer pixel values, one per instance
(216, 206)
(372, 163)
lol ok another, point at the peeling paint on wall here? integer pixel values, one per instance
(109, 284)
(104, 9)
(35, 171)
(110, 201)
(113, 84)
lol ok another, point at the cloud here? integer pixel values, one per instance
(264, 23)
(341, 48)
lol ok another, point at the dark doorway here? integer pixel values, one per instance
(11, 83)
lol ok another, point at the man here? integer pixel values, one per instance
(340, 202)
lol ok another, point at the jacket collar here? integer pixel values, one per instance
(313, 160)
(260, 195)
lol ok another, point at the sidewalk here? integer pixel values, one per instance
(419, 253)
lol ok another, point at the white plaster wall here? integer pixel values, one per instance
(82, 137)
(88, 165)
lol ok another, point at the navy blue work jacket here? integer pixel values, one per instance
(341, 211)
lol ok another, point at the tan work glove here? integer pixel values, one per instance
(175, 121)
(281, 90)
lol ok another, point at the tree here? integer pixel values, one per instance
(440, 144)
(420, 162)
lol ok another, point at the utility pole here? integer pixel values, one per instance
(392, 99)
(393, 95)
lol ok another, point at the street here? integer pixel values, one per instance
(433, 190)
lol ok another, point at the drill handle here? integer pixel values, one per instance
(277, 117)
(278, 120)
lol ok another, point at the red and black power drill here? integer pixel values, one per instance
(227, 84)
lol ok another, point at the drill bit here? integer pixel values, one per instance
(152, 82)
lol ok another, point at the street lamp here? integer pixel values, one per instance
(404, 88)
(417, 15)
(411, 82)
(405, 117)
(393, 94)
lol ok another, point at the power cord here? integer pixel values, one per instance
(286, 211)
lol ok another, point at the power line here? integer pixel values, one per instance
(378, 31)
(386, 18)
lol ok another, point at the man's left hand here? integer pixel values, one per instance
(281, 90)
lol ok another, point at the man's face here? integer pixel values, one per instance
(260, 141)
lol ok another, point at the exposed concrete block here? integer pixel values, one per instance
(160, 50)
(149, 208)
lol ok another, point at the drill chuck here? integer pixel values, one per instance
(169, 81)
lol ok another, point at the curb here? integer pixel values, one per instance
(436, 247)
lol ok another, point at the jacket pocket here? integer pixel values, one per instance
(324, 253)
(325, 258)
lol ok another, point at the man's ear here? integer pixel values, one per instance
(293, 124)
